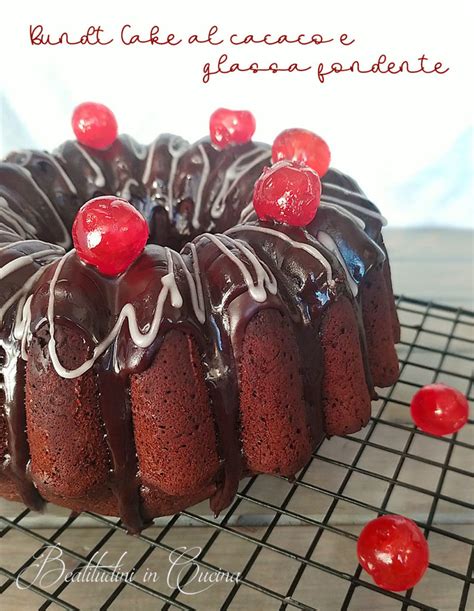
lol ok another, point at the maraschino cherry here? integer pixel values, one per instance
(394, 551)
(231, 127)
(439, 409)
(94, 125)
(288, 192)
(109, 234)
(302, 145)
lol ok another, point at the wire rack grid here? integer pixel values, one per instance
(284, 545)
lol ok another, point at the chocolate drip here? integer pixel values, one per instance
(16, 465)
(221, 381)
(363, 343)
(114, 401)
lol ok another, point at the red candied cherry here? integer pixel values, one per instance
(231, 127)
(439, 409)
(109, 234)
(288, 192)
(304, 146)
(394, 551)
(94, 125)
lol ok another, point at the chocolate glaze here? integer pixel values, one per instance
(18, 457)
(183, 190)
(114, 400)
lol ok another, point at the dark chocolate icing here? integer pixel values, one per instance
(183, 191)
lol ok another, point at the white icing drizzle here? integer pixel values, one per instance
(265, 280)
(127, 313)
(61, 170)
(356, 187)
(327, 241)
(7, 236)
(28, 156)
(20, 296)
(195, 284)
(7, 245)
(19, 262)
(176, 148)
(246, 212)
(355, 219)
(22, 326)
(138, 150)
(65, 242)
(170, 281)
(198, 281)
(124, 192)
(299, 245)
(249, 252)
(204, 176)
(15, 221)
(140, 339)
(352, 205)
(241, 166)
(249, 210)
(149, 160)
(99, 177)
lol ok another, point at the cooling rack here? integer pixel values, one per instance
(287, 545)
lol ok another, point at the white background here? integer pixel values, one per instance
(406, 139)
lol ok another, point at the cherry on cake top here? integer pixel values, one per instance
(302, 145)
(439, 409)
(227, 127)
(394, 551)
(287, 192)
(109, 234)
(94, 125)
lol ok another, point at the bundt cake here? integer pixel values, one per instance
(231, 346)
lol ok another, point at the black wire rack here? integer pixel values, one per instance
(281, 544)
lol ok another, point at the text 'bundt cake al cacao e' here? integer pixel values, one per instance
(256, 321)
